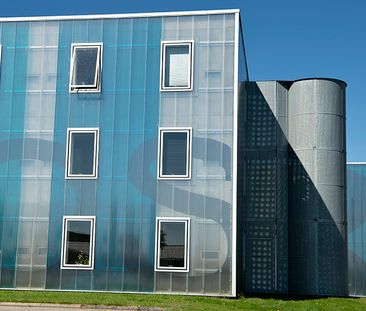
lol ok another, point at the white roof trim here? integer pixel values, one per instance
(112, 16)
(356, 163)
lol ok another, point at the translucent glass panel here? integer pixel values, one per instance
(32, 248)
(37, 155)
(78, 243)
(40, 110)
(172, 244)
(42, 68)
(85, 68)
(13, 38)
(356, 226)
(123, 198)
(207, 197)
(177, 65)
(82, 153)
(35, 198)
(175, 153)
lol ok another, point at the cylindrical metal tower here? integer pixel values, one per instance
(317, 205)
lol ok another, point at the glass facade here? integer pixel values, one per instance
(356, 221)
(207, 197)
(37, 109)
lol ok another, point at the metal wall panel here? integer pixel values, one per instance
(263, 200)
(292, 187)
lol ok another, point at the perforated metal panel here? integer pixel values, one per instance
(317, 214)
(264, 198)
(292, 199)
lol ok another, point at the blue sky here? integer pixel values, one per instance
(285, 40)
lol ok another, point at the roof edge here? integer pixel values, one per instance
(303, 79)
(324, 78)
(356, 163)
(114, 16)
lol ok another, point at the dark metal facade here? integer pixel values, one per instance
(292, 204)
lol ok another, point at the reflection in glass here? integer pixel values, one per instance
(85, 66)
(172, 244)
(174, 156)
(82, 154)
(78, 242)
(177, 66)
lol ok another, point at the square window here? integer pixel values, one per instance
(82, 153)
(172, 244)
(78, 236)
(85, 67)
(174, 153)
(177, 64)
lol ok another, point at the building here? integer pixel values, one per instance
(292, 204)
(356, 172)
(136, 156)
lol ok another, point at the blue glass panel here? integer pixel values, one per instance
(88, 197)
(102, 233)
(95, 30)
(126, 112)
(68, 279)
(55, 279)
(136, 138)
(83, 280)
(14, 46)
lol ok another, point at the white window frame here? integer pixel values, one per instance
(187, 234)
(163, 130)
(165, 44)
(96, 87)
(70, 131)
(65, 221)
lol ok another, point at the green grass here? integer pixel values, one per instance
(173, 302)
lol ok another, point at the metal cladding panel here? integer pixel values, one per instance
(207, 198)
(263, 191)
(356, 215)
(317, 211)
